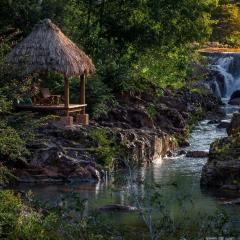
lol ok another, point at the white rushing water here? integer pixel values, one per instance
(227, 68)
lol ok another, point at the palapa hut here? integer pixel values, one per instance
(48, 49)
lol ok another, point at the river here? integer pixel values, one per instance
(179, 177)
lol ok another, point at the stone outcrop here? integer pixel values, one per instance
(223, 124)
(118, 208)
(197, 154)
(222, 170)
(172, 113)
(234, 126)
(142, 127)
(68, 154)
(235, 98)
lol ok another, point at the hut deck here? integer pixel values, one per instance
(71, 108)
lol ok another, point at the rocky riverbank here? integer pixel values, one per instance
(140, 130)
(222, 170)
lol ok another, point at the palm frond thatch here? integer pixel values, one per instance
(48, 49)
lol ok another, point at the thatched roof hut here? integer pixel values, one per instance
(46, 48)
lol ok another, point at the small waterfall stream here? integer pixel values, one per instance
(226, 71)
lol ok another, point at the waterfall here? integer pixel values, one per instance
(225, 68)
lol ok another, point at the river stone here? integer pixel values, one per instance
(118, 208)
(215, 121)
(223, 166)
(235, 98)
(223, 124)
(197, 154)
(236, 94)
(181, 152)
(184, 143)
(235, 101)
(234, 126)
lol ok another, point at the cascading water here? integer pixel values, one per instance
(225, 69)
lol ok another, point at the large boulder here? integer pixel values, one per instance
(222, 171)
(224, 124)
(118, 208)
(70, 154)
(235, 98)
(197, 154)
(234, 126)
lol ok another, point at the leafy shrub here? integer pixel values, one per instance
(151, 111)
(19, 221)
(5, 105)
(227, 24)
(27, 123)
(105, 148)
(12, 147)
(5, 175)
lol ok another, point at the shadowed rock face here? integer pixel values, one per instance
(197, 154)
(235, 98)
(67, 154)
(234, 126)
(171, 112)
(222, 170)
(118, 208)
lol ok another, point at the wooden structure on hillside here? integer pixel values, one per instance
(47, 49)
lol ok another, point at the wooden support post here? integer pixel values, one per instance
(66, 94)
(82, 91)
(82, 118)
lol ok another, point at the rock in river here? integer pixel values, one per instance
(234, 126)
(118, 208)
(222, 171)
(197, 154)
(235, 98)
(223, 124)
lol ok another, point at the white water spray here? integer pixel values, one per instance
(227, 67)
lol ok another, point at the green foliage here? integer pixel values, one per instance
(227, 26)
(198, 90)
(99, 97)
(163, 67)
(134, 44)
(5, 105)
(19, 221)
(12, 147)
(104, 147)
(5, 175)
(27, 124)
(151, 111)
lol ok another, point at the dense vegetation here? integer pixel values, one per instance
(136, 45)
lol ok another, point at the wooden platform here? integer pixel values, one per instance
(60, 107)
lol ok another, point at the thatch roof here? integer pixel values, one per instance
(48, 49)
